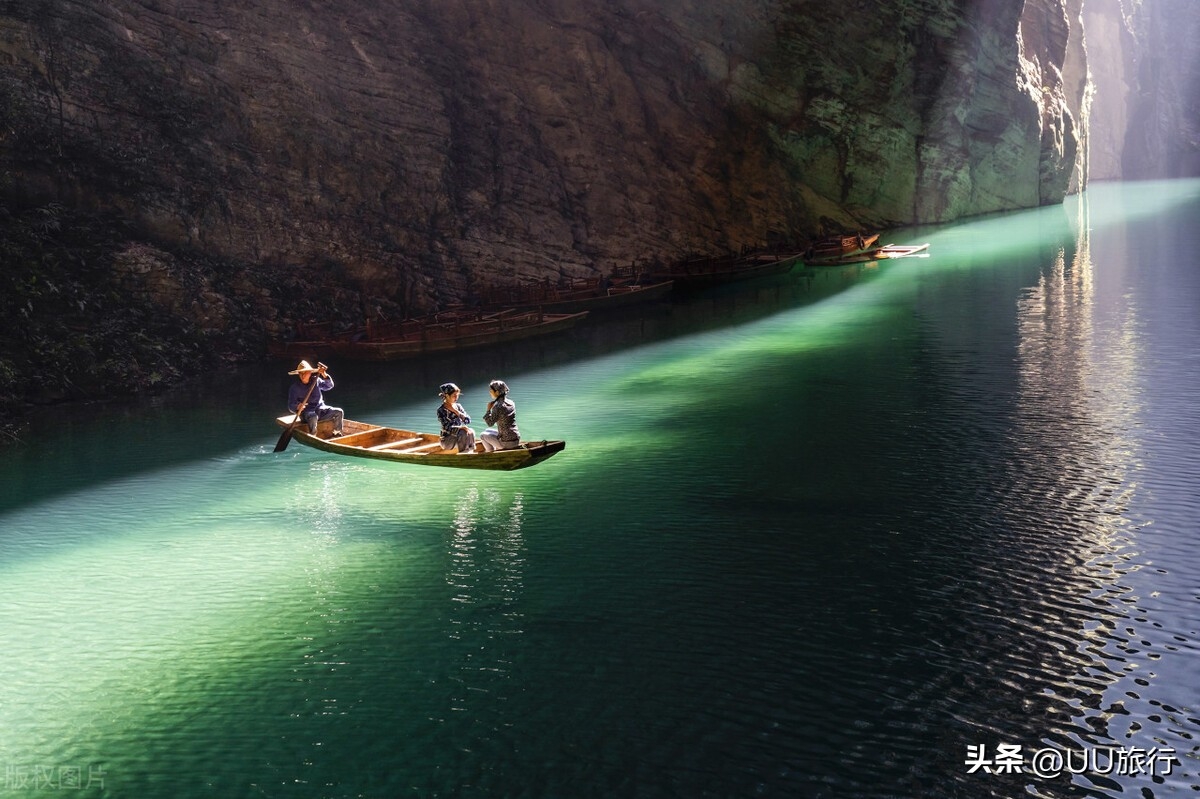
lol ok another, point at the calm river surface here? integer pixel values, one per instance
(907, 531)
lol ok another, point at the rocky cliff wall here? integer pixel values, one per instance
(1163, 137)
(421, 149)
(1111, 50)
(1145, 64)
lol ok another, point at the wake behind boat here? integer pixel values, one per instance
(363, 440)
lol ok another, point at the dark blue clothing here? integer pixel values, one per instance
(299, 389)
(315, 410)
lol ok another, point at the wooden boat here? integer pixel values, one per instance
(704, 272)
(886, 252)
(362, 440)
(893, 251)
(593, 294)
(830, 250)
(310, 341)
(441, 332)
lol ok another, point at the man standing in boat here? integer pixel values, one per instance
(307, 397)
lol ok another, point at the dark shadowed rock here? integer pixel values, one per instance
(421, 149)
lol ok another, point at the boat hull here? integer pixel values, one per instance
(695, 275)
(598, 299)
(377, 442)
(295, 350)
(454, 336)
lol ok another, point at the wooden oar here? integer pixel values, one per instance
(285, 437)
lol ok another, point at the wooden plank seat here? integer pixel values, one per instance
(354, 438)
(436, 445)
(404, 442)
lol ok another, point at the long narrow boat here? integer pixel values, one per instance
(450, 332)
(705, 272)
(893, 251)
(309, 341)
(441, 332)
(579, 295)
(829, 250)
(884, 253)
(363, 440)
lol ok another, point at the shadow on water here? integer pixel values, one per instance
(70, 447)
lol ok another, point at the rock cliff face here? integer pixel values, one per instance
(1145, 65)
(1110, 50)
(418, 150)
(1160, 48)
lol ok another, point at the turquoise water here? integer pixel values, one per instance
(816, 536)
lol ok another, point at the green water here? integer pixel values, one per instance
(809, 537)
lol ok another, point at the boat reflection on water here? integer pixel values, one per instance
(484, 621)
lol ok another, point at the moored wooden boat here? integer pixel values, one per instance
(451, 332)
(309, 341)
(704, 272)
(886, 252)
(441, 332)
(893, 251)
(828, 250)
(377, 442)
(578, 295)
